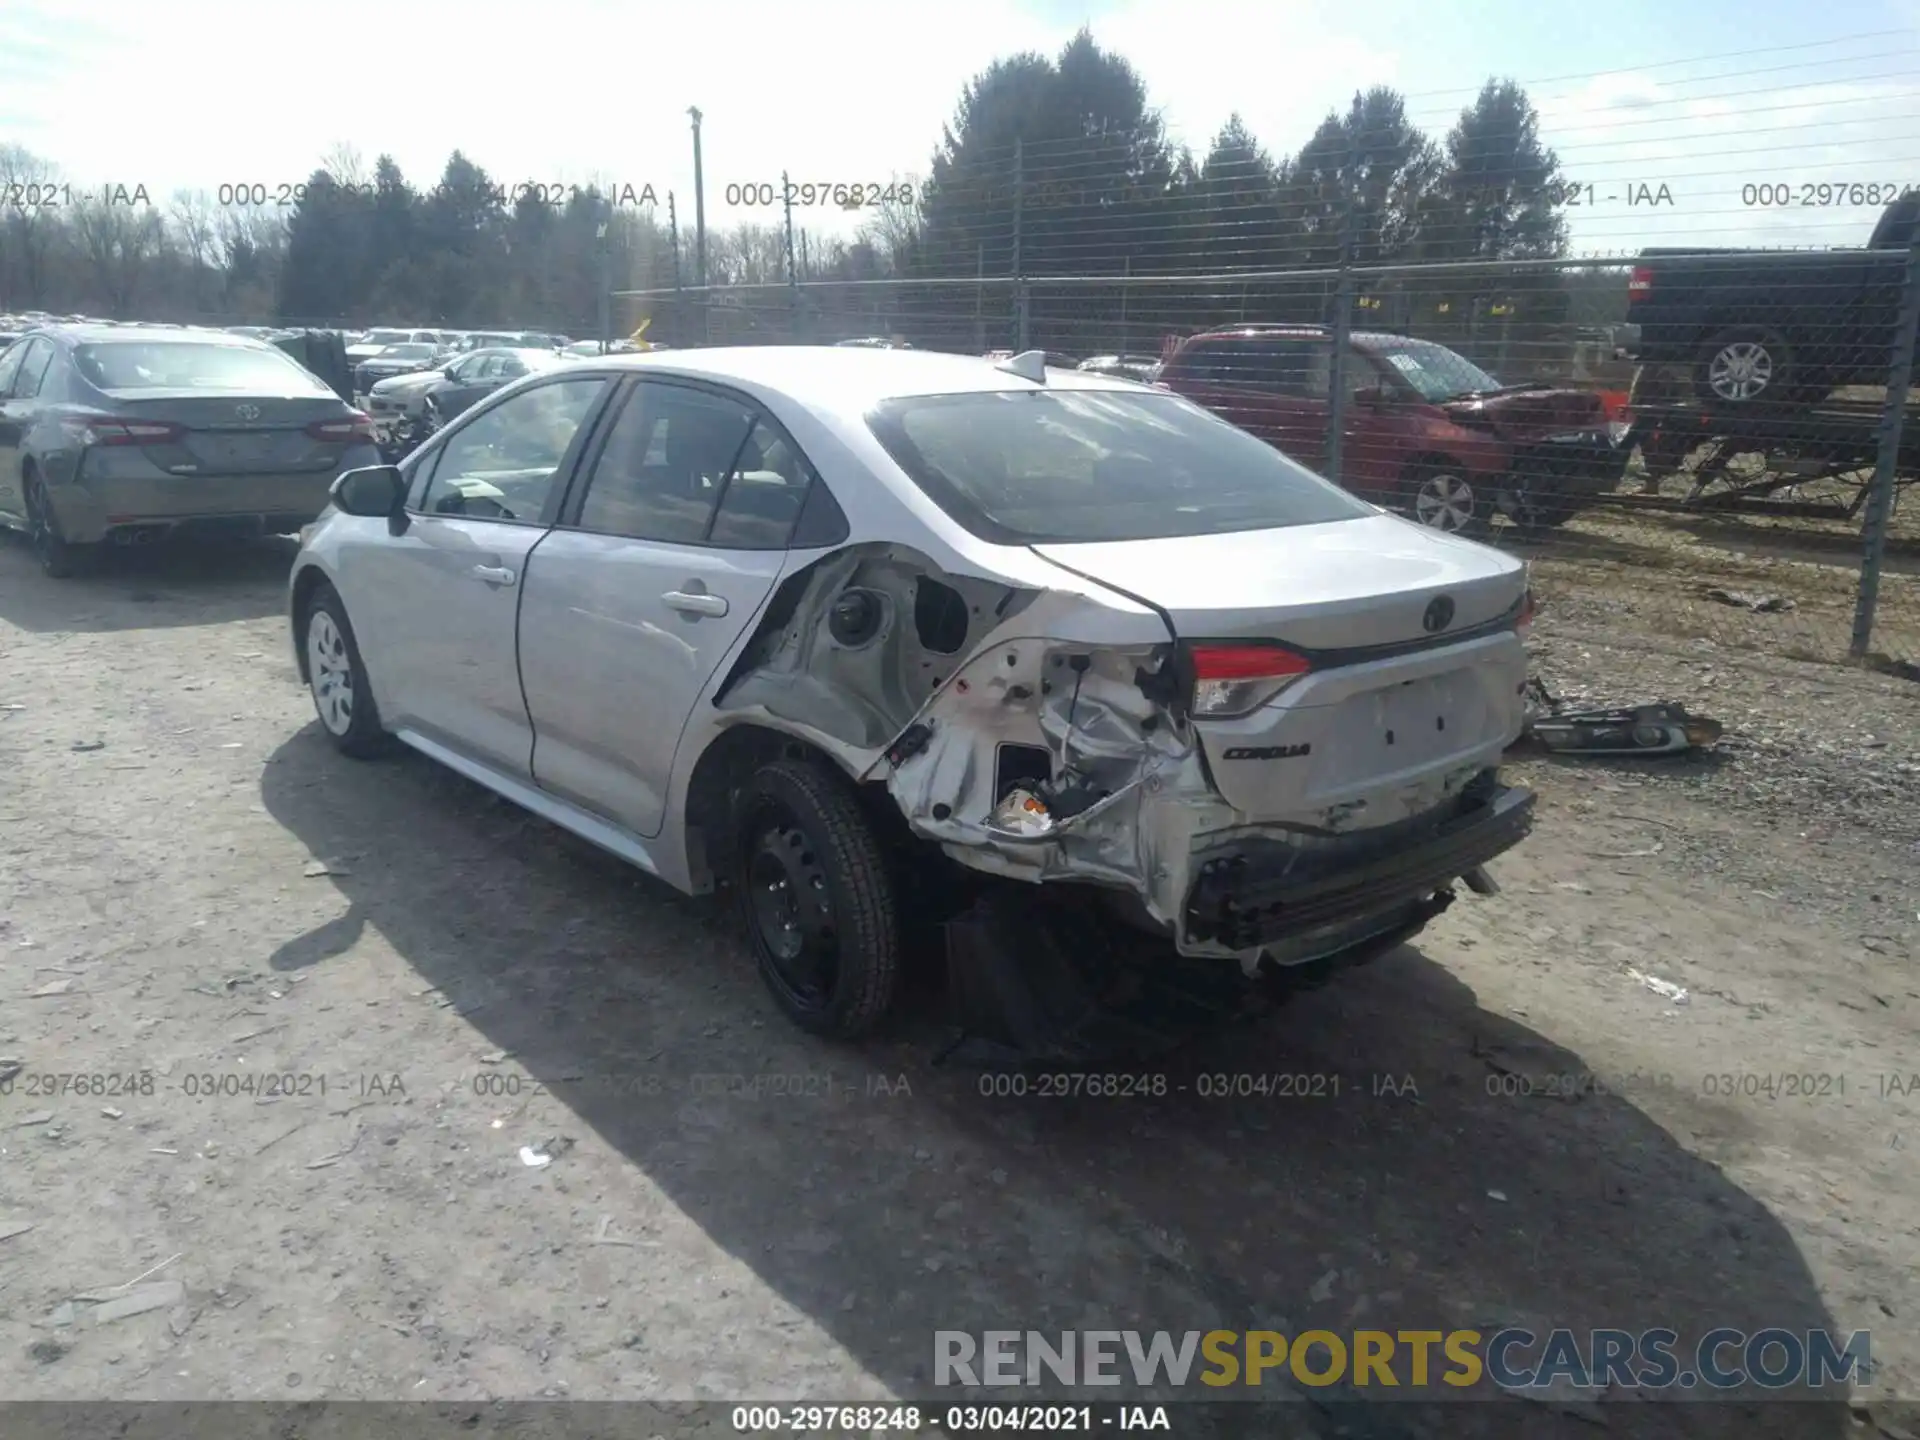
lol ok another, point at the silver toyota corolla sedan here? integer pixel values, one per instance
(817, 624)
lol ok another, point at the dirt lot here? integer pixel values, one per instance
(193, 885)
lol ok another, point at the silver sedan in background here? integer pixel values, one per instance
(840, 629)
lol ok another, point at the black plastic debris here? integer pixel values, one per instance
(1667, 728)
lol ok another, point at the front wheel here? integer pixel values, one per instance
(1442, 497)
(337, 679)
(813, 888)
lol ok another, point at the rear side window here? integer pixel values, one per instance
(33, 370)
(182, 365)
(1063, 466)
(764, 494)
(666, 461)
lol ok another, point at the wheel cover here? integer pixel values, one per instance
(1444, 502)
(1740, 371)
(330, 673)
(792, 910)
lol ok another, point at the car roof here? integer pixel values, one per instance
(1302, 332)
(95, 334)
(850, 377)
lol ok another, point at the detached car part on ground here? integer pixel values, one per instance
(874, 637)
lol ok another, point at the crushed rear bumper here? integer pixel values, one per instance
(1268, 891)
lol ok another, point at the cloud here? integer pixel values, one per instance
(199, 94)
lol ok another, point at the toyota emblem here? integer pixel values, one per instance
(247, 412)
(1439, 614)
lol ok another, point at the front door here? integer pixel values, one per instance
(436, 608)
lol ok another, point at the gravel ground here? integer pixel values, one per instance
(193, 886)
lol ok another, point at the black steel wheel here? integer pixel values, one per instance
(814, 892)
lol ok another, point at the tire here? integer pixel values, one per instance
(59, 558)
(1745, 368)
(1538, 515)
(812, 886)
(1441, 497)
(337, 679)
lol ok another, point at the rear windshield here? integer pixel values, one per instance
(386, 337)
(180, 365)
(406, 352)
(1027, 467)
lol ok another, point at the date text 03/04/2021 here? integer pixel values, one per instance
(553, 194)
(954, 1420)
(266, 1084)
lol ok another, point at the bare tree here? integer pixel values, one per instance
(345, 164)
(120, 243)
(892, 228)
(196, 229)
(27, 230)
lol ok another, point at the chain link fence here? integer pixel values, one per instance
(1737, 466)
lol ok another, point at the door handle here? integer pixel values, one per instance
(493, 574)
(695, 604)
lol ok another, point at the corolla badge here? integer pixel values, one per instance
(1439, 614)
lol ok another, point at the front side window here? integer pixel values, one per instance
(502, 464)
(1063, 466)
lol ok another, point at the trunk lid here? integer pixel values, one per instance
(231, 434)
(1390, 714)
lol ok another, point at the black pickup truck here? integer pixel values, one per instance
(1772, 329)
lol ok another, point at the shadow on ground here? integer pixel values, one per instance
(147, 587)
(1408, 1187)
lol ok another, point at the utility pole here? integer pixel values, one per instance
(1343, 314)
(793, 269)
(604, 233)
(699, 207)
(1019, 284)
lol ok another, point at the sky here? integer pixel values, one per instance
(1706, 100)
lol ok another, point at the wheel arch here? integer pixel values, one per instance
(723, 767)
(1434, 459)
(307, 581)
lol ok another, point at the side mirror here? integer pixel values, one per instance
(1374, 397)
(374, 491)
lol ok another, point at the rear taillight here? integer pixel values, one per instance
(119, 430)
(1640, 282)
(1233, 679)
(1524, 623)
(352, 427)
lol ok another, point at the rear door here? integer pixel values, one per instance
(15, 415)
(658, 567)
(435, 608)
